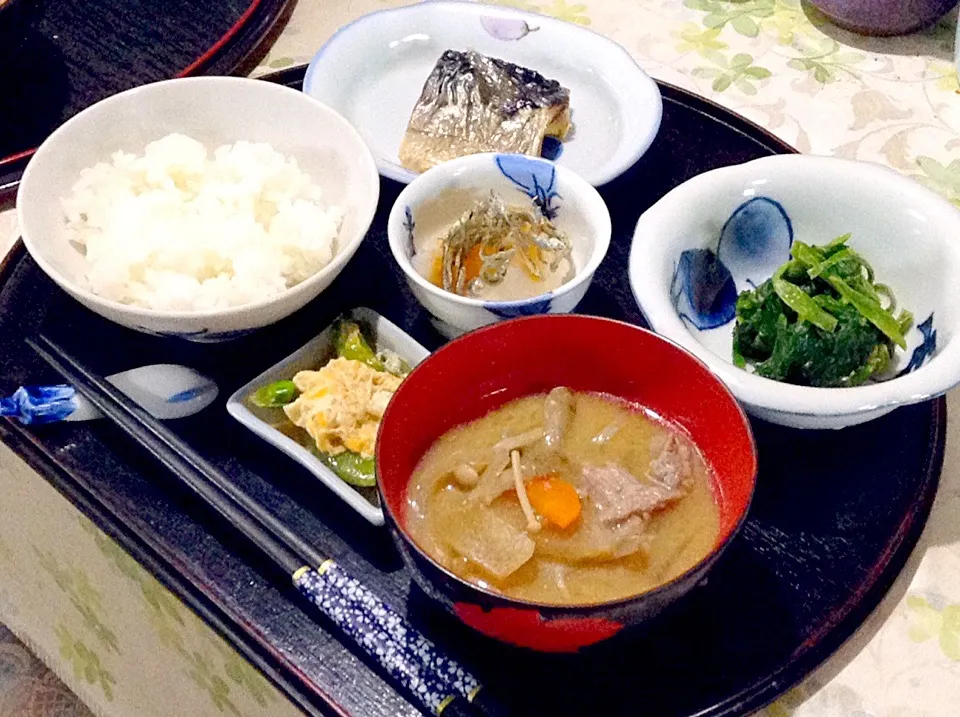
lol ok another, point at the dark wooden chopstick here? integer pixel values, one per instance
(438, 683)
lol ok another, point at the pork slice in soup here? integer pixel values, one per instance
(564, 498)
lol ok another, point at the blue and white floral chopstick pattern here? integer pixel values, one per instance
(401, 650)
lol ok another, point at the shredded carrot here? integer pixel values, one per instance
(555, 499)
(436, 270)
(472, 263)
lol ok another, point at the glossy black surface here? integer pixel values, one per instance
(834, 517)
(60, 56)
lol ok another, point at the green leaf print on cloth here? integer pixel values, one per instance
(86, 663)
(203, 674)
(569, 12)
(826, 60)
(575, 12)
(739, 72)
(245, 675)
(704, 42)
(164, 609)
(942, 179)
(929, 620)
(943, 75)
(84, 597)
(787, 22)
(278, 63)
(525, 5)
(784, 20)
(212, 664)
(744, 17)
(792, 20)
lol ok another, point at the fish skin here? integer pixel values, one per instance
(471, 103)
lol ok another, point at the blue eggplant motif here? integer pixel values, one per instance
(534, 177)
(191, 393)
(506, 29)
(703, 290)
(516, 309)
(754, 242)
(925, 350)
(409, 226)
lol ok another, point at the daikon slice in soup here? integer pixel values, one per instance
(564, 498)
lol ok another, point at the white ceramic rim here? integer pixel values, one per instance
(605, 173)
(929, 381)
(437, 177)
(335, 265)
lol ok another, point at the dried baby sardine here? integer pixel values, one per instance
(471, 103)
(479, 249)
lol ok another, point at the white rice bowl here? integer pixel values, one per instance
(180, 228)
(215, 111)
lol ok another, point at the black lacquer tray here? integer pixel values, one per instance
(65, 55)
(833, 521)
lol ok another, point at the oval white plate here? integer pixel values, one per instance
(315, 353)
(372, 71)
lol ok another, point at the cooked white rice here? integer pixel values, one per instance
(179, 229)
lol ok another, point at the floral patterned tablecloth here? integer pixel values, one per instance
(779, 63)
(895, 101)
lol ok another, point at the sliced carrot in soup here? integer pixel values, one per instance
(555, 499)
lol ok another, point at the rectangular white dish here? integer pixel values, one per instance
(382, 334)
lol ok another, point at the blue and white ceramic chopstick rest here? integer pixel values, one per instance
(165, 391)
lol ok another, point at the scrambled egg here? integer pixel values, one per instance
(341, 405)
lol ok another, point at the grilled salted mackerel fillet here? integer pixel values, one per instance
(471, 103)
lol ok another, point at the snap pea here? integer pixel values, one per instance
(807, 255)
(351, 344)
(352, 468)
(870, 310)
(839, 241)
(806, 308)
(834, 259)
(276, 394)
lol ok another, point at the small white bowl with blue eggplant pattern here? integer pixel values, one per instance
(728, 230)
(452, 188)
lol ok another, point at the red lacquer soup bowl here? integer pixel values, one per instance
(486, 369)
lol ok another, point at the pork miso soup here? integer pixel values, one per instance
(564, 498)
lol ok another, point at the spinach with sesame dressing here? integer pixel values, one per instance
(821, 320)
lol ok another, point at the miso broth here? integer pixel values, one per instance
(632, 492)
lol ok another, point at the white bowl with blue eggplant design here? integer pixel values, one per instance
(452, 188)
(727, 231)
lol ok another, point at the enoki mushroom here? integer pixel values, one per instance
(533, 525)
